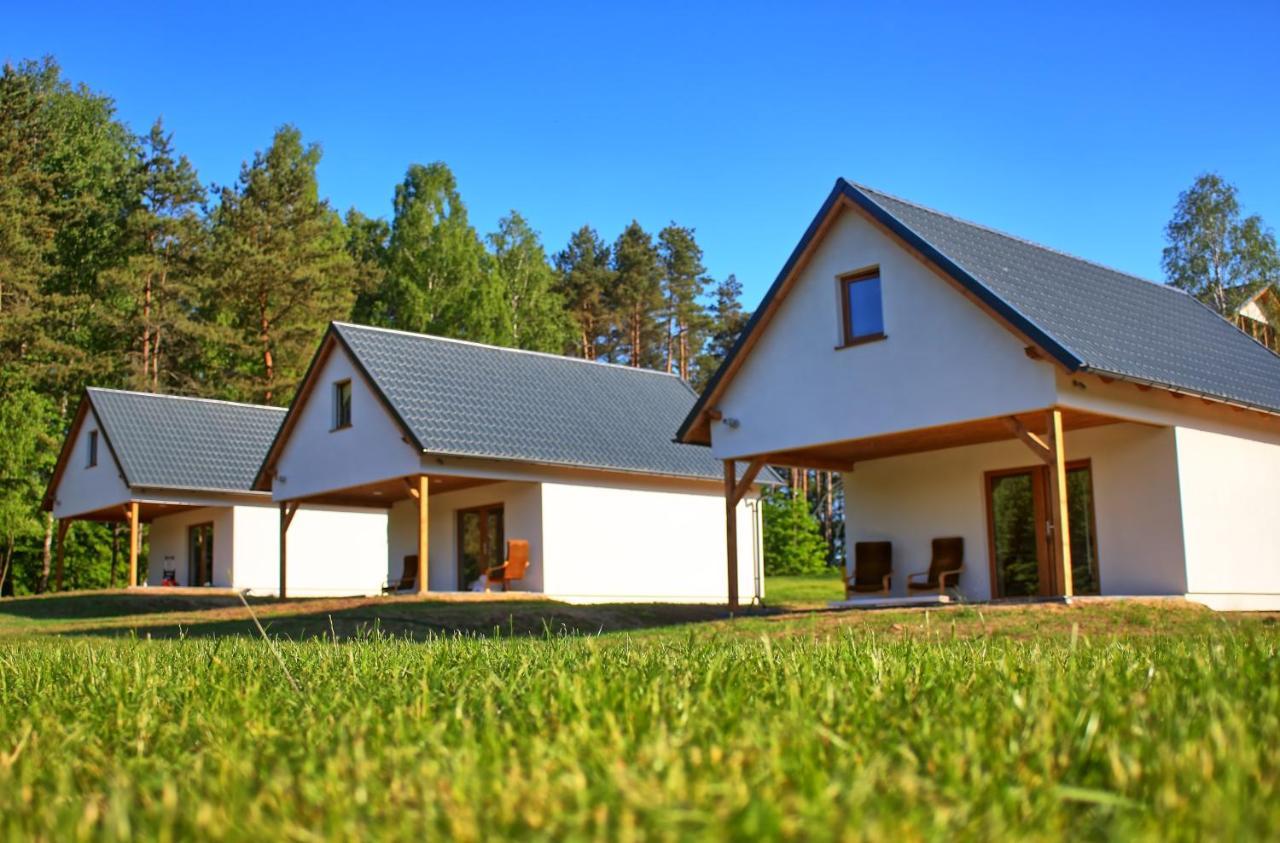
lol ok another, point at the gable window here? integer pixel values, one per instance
(93, 449)
(860, 306)
(342, 404)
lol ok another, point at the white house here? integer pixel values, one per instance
(457, 447)
(186, 466)
(1082, 430)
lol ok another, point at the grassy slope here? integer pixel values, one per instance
(1117, 720)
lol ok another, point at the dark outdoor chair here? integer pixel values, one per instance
(513, 568)
(872, 569)
(944, 569)
(408, 579)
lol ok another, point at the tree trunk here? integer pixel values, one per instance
(115, 553)
(268, 363)
(46, 557)
(146, 331)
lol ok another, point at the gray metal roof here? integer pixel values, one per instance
(467, 399)
(1107, 320)
(169, 442)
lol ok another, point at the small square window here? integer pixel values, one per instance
(341, 404)
(863, 315)
(93, 449)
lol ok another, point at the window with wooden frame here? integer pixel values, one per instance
(93, 449)
(342, 404)
(861, 310)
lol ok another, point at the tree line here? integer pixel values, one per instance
(119, 267)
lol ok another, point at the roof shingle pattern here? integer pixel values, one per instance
(1112, 322)
(170, 442)
(475, 400)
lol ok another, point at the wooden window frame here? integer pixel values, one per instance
(338, 422)
(93, 450)
(1041, 516)
(847, 280)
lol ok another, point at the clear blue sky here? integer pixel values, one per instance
(1075, 127)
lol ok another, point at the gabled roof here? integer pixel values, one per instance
(459, 398)
(171, 442)
(1085, 316)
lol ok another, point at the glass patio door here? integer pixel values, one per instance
(480, 543)
(200, 554)
(1018, 527)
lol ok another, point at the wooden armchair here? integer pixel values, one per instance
(945, 567)
(513, 568)
(408, 579)
(872, 569)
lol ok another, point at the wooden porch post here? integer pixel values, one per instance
(63, 524)
(287, 511)
(1052, 451)
(1058, 512)
(133, 545)
(423, 513)
(731, 530)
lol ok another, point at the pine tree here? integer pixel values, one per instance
(533, 315)
(636, 296)
(792, 542)
(727, 319)
(585, 277)
(158, 283)
(683, 282)
(281, 263)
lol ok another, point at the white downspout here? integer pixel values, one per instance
(757, 563)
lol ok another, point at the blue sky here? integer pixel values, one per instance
(1075, 127)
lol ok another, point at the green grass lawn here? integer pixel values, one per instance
(1107, 721)
(809, 590)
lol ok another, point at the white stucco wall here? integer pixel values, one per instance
(169, 549)
(316, 459)
(608, 543)
(82, 488)
(913, 499)
(522, 519)
(332, 550)
(1230, 491)
(944, 359)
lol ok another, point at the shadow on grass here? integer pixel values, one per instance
(400, 618)
(114, 604)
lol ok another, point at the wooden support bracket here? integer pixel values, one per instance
(1038, 446)
(743, 486)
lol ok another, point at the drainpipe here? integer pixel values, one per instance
(757, 564)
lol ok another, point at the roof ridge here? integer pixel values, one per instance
(475, 344)
(1018, 239)
(184, 398)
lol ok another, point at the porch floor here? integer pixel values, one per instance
(879, 601)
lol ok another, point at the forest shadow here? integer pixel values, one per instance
(420, 620)
(70, 606)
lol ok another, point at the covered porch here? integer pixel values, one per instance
(407, 572)
(955, 482)
(132, 513)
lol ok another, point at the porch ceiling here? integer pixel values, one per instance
(386, 492)
(841, 456)
(147, 512)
